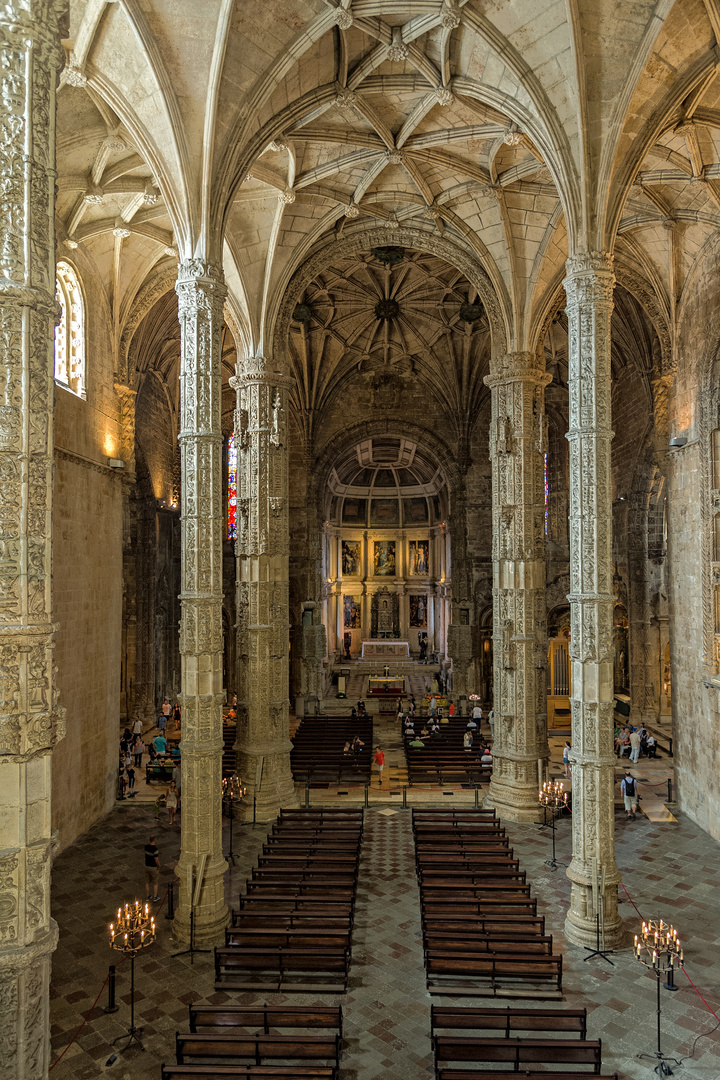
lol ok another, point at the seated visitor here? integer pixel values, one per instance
(651, 746)
(471, 724)
(467, 740)
(357, 745)
(486, 756)
(416, 744)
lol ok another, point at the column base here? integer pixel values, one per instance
(276, 789)
(513, 804)
(581, 926)
(211, 915)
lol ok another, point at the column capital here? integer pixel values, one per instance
(200, 286)
(590, 278)
(260, 369)
(517, 367)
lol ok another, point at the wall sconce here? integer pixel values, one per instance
(678, 441)
(115, 463)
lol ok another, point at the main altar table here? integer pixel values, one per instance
(385, 650)
(382, 684)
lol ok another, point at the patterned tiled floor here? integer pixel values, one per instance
(671, 870)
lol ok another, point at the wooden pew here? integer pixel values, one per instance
(507, 1020)
(263, 1048)
(483, 924)
(265, 1016)
(247, 1072)
(300, 937)
(501, 942)
(492, 972)
(518, 1052)
(315, 964)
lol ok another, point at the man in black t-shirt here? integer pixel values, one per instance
(152, 869)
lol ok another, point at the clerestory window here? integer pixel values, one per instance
(70, 331)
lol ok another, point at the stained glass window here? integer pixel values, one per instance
(70, 331)
(232, 488)
(547, 493)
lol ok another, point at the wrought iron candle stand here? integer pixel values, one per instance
(553, 797)
(658, 948)
(133, 931)
(233, 793)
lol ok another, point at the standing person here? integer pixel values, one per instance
(451, 709)
(477, 713)
(137, 726)
(176, 711)
(491, 722)
(131, 778)
(467, 740)
(635, 740)
(138, 751)
(629, 789)
(566, 758)
(152, 869)
(160, 744)
(379, 759)
(171, 801)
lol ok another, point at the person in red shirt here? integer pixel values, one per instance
(451, 710)
(379, 759)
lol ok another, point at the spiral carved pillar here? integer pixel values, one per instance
(517, 383)
(589, 288)
(201, 292)
(31, 723)
(263, 542)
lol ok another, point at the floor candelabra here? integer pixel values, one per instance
(658, 948)
(133, 930)
(233, 793)
(553, 797)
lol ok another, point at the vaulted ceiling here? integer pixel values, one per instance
(265, 135)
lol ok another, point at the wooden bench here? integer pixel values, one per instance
(251, 919)
(483, 924)
(504, 943)
(311, 892)
(301, 937)
(241, 1072)
(518, 1052)
(476, 1074)
(334, 861)
(285, 844)
(235, 1044)
(507, 1020)
(489, 973)
(265, 1016)
(482, 906)
(301, 904)
(308, 962)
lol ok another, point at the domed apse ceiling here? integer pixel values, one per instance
(387, 481)
(390, 311)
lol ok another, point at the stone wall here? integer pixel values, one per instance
(87, 586)
(695, 702)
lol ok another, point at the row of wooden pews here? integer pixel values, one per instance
(482, 935)
(318, 754)
(516, 1043)
(443, 759)
(292, 932)
(293, 928)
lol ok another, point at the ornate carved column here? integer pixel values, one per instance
(201, 292)
(517, 442)
(30, 720)
(263, 742)
(589, 289)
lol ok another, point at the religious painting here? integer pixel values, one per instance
(354, 512)
(415, 511)
(351, 557)
(418, 558)
(352, 611)
(384, 512)
(418, 610)
(384, 558)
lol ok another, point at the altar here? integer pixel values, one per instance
(386, 684)
(385, 650)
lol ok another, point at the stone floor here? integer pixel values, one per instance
(671, 870)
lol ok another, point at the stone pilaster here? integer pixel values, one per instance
(263, 743)
(517, 441)
(30, 720)
(201, 292)
(589, 288)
